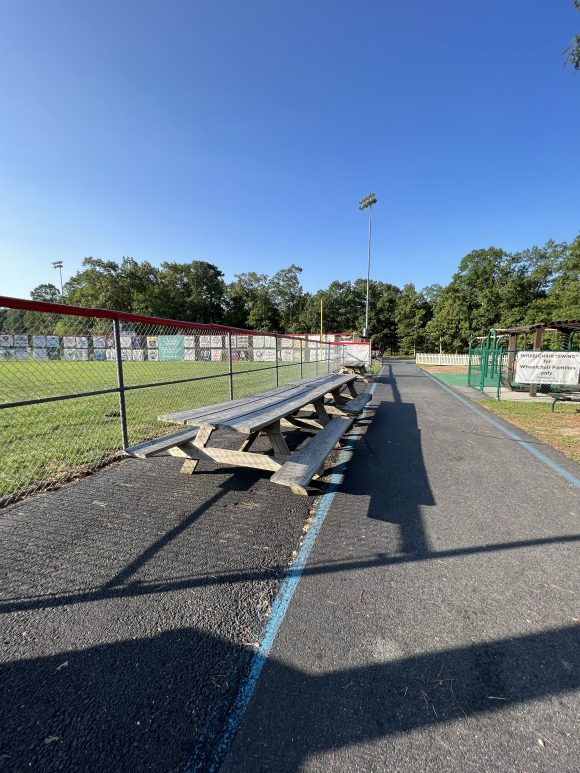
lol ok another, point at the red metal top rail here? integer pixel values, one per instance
(81, 311)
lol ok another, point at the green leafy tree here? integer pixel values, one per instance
(47, 292)
(242, 295)
(309, 316)
(412, 312)
(382, 314)
(141, 283)
(191, 291)
(17, 321)
(431, 294)
(264, 314)
(288, 296)
(526, 282)
(98, 285)
(449, 328)
(468, 306)
(562, 299)
(565, 289)
(341, 304)
(573, 51)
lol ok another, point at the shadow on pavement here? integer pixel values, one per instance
(167, 585)
(360, 705)
(390, 471)
(140, 704)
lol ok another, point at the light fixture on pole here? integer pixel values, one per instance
(366, 203)
(58, 264)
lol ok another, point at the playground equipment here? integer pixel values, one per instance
(492, 364)
(484, 370)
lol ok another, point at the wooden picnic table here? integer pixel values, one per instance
(267, 413)
(359, 369)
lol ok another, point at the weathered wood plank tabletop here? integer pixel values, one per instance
(266, 413)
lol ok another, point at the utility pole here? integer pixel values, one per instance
(366, 203)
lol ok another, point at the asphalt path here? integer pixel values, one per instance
(131, 603)
(436, 626)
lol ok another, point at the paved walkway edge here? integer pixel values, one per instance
(494, 423)
(279, 608)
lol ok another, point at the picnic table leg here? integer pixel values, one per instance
(201, 440)
(277, 439)
(351, 389)
(338, 398)
(321, 413)
(248, 441)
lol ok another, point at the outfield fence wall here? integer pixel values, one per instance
(79, 385)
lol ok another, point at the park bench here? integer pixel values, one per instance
(565, 397)
(266, 413)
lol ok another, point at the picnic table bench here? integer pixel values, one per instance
(565, 397)
(266, 413)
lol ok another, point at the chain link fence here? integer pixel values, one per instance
(80, 385)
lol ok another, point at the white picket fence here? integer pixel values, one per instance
(442, 359)
(452, 359)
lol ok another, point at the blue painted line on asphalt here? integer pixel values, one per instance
(279, 609)
(527, 445)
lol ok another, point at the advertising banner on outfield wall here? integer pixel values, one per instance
(548, 368)
(171, 347)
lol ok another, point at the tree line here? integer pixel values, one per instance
(491, 288)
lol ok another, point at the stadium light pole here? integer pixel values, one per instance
(59, 264)
(366, 203)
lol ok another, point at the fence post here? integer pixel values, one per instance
(120, 383)
(470, 355)
(231, 365)
(277, 366)
(301, 368)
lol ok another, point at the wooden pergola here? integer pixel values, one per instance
(566, 327)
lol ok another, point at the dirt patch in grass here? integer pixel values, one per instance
(444, 368)
(560, 429)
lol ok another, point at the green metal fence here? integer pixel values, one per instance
(484, 370)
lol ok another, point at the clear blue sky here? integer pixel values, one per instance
(245, 133)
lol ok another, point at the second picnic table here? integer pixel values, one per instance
(265, 413)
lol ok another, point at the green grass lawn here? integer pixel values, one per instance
(55, 440)
(560, 429)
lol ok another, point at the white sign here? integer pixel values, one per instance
(547, 368)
